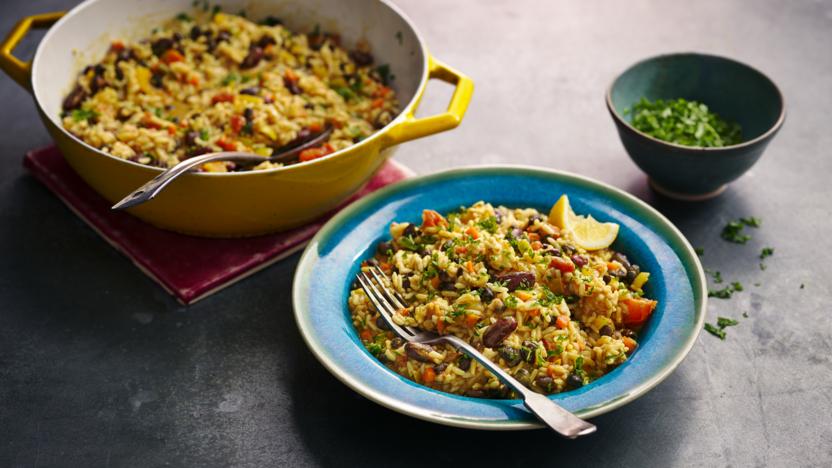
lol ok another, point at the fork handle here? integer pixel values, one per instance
(553, 415)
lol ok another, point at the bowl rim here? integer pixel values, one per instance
(697, 149)
(698, 288)
(363, 144)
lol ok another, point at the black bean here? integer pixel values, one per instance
(579, 260)
(223, 36)
(251, 91)
(196, 31)
(255, 55)
(362, 59)
(464, 362)
(292, 86)
(396, 343)
(190, 138)
(248, 114)
(516, 279)
(75, 98)
(372, 262)
(569, 249)
(355, 285)
(97, 84)
(266, 40)
(119, 73)
(447, 286)
(411, 230)
(510, 354)
(439, 368)
(160, 46)
(418, 351)
(383, 247)
(545, 383)
(156, 80)
(534, 218)
(622, 259)
(572, 299)
(199, 150)
(528, 351)
(406, 282)
(499, 331)
(486, 295)
(381, 323)
(522, 375)
(606, 330)
(632, 272)
(574, 381)
(176, 37)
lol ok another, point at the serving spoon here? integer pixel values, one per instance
(149, 190)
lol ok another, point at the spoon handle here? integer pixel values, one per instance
(157, 184)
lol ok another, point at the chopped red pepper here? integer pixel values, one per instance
(226, 145)
(559, 263)
(431, 218)
(172, 55)
(638, 311)
(237, 123)
(222, 97)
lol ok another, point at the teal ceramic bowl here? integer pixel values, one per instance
(735, 91)
(331, 260)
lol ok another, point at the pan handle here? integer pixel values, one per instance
(411, 127)
(17, 69)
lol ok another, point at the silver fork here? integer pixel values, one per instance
(388, 301)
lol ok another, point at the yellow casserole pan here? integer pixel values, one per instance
(238, 203)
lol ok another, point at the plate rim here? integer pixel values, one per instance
(698, 287)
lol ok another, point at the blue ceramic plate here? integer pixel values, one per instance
(331, 260)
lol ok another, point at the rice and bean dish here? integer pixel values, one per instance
(517, 287)
(225, 83)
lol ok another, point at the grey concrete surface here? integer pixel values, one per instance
(99, 367)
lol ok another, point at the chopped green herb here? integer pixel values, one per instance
(384, 73)
(157, 112)
(766, 252)
(699, 251)
(375, 348)
(579, 366)
(345, 92)
(203, 134)
(727, 291)
(763, 266)
(745, 314)
(723, 322)
(683, 122)
(407, 243)
(715, 275)
(184, 17)
(713, 330)
(399, 37)
(752, 221)
(216, 9)
(79, 115)
(247, 129)
(489, 224)
(732, 232)
(511, 302)
(271, 21)
(549, 297)
(230, 78)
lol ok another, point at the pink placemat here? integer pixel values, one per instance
(190, 268)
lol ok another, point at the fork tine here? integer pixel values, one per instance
(384, 308)
(391, 293)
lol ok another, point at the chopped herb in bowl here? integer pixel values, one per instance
(684, 122)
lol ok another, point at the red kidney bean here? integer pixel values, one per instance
(255, 55)
(75, 98)
(499, 331)
(418, 351)
(579, 260)
(516, 279)
(362, 59)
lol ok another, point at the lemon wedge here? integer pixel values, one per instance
(586, 231)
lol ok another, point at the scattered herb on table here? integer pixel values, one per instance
(766, 252)
(802, 286)
(684, 122)
(727, 291)
(718, 330)
(715, 275)
(733, 231)
(699, 251)
(745, 314)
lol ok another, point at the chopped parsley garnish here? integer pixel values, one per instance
(489, 224)
(345, 92)
(549, 297)
(579, 367)
(732, 232)
(203, 134)
(716, 331)
(745, 314)
(230, 78)
(683, 122)
(375, 349)
(699, 251)
(723, 322)
(79, 115)
(752, 221)
(511, 302)
(184, 17)
(715, 275)
(407, 243)
(766, 252)
(727, 291)
(384, 73)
